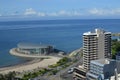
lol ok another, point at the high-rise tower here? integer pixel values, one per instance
(96, 45)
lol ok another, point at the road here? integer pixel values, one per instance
(63, 74)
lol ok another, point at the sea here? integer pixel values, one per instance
(64, 35)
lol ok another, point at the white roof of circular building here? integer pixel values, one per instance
(31, 46)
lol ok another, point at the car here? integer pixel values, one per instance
(70, 70)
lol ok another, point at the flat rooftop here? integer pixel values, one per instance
(96, 31)
(102, 62)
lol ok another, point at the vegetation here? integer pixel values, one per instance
(115, 47)
(9, 76)
(61, 64)
(63, 61)
(35, 74)
(51, 70)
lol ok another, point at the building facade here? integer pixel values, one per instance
(118, 56)
(29, 48)
(101, 69)
(96, 45)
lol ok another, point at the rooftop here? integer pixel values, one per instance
(97, 31)
(31, 45)
(102, 62)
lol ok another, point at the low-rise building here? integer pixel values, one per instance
(79, 73)
(101, 69)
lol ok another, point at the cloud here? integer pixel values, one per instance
(59, 13)
(116, 11)
(104, 12)
(93, 12)
(41, 14)
(53, 14)
(30, 11)
(65, 13)
(96, 11)
(77, 13)
(69, 13)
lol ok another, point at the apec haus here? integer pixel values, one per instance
(34, 49)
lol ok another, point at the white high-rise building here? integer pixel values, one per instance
(96, 45)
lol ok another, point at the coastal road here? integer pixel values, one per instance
(63, 74)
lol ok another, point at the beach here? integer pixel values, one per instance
(37, 63)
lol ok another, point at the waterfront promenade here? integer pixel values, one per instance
(38, 63)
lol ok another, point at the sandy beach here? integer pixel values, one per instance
(29, 66)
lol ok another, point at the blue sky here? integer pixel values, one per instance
(45, 9)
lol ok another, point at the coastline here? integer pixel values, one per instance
(15, 53)
(29, 66)
(75, 52)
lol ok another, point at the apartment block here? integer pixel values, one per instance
(96, 45)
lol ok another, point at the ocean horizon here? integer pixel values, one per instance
(65, 35)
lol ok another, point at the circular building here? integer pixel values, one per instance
(29, 48)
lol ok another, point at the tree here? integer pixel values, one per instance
(115, 48)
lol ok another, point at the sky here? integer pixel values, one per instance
(58, 9)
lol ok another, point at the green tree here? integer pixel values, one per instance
(63, 61)
(115, 47)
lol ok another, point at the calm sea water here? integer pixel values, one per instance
(65, 35)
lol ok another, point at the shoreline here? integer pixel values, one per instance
(75, 52)
(19, 63)
(30, 65)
